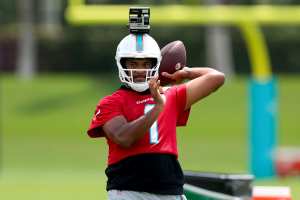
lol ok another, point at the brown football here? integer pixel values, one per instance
(172, 53)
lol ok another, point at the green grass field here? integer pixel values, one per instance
(46, 153)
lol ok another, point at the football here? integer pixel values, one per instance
(173, 53)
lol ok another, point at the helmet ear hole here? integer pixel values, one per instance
(154, 62)
(123, 62)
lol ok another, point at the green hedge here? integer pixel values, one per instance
(92, 49)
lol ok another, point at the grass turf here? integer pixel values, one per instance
(46, 153)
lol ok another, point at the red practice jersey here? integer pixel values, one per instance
(161, 137)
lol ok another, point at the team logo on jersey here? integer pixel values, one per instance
(144, 100)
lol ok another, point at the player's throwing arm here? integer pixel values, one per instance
(203, 81)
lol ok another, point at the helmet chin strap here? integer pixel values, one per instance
(139, 87)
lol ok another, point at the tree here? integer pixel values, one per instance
(218, 46)
(50, 16)
(26, 59)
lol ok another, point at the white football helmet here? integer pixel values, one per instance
(137, 46)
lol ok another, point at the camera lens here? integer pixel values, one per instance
(146, 20)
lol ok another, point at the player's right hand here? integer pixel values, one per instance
(178, 76)
(154, 86)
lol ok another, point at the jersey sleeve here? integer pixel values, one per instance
(107, 109)
(183, 115)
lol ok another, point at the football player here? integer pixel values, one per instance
(139, 121)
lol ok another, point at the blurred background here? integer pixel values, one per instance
(54, 73)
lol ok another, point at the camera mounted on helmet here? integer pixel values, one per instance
(139, 20)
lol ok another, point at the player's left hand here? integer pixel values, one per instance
(178, 76)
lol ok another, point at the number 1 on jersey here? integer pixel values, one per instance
(154, 128)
